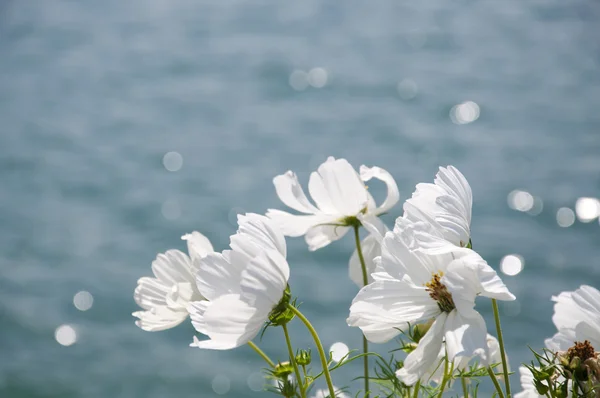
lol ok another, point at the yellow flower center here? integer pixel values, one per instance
(439, 292)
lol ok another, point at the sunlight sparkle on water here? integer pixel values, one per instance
(221, 384)
(587, 209)
(512, 264)
(172, 161)
(464, 113)
(65, 335)
(298, 80)
(520, 200)
(338, 351)
(565, 217)
(407, 89)
(317, 77)
(83, 300)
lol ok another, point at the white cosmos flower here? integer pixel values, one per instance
(166, 296)
(577, 318)
(338, 191)
(446, 206)
(241, 285)
(413, 286)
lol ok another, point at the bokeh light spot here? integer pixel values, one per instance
(172, 161)
(512, 264)
(464, 113)
(407, 89)
(587, 209)
(65, 335)
(520, 200)
(317, 77)
(565, 217)
(538, 206)
(83, 300)
(298, 80)
(256, 382)
(338, 351)
(221, 384)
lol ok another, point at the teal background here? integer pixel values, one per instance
(94, 93)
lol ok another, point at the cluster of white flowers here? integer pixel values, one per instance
(423, 274)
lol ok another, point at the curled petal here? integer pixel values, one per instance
(393, 195)
(321, 235)
(346, 190)
(265, 278)
(465, 337)
(198, 245)
(290, 192)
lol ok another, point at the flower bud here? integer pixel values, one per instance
(283, 370)
(281, 314)
(303, 357)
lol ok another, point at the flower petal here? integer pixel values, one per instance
(319, 194)
(421, 360)
(465, 336)
(370, 249)
(257, 233)
(219, 274)
(290, 192)
(528, 385)
(296, 225)
(173, 267)
(393, 195)
(231, 322)
(346, 190)
(265, 278)
(150, 293)
(385, 306)
(321, 235)
(159, 318)
(198, 245)
(197, 310)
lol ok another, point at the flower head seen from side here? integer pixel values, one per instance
(412, 287)
(244, 287)
(165, 296)
(446, 206)
(339, 194)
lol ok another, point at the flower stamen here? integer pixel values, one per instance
(439, 292)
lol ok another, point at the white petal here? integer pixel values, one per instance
(257, 233)
(458, 187)
(265, 278)
(470, 276)
(421, 360)
(385, 306)
(151, 292)
(527, 383)
(197, 310)
(159, 318)
(393, 195)
(173, 267)
(295, 225)
(321, 235)
(370, 249)
(319, 194)
(465, 337)
(290, 192)
(219, 275)
(198, 245)
(561, 341)
(230, 322)
(373, 225)
(346, 190)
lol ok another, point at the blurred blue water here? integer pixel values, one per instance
(93, 94)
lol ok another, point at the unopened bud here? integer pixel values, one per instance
(283, 370)
(303, 357)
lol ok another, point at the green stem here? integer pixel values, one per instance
(315, 337)
(444, 379)
(416, 389)
(365, 283)
(495, 381)
(262, 354)
(464, 386)
(293, 361)
(502, 351)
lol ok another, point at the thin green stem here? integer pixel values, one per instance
(315, 337)
(495, 381)
(463, 381)
(262, 354)
(444, 379)
(299, 378)
(502, 351)
(416, 389)
(365, 283)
